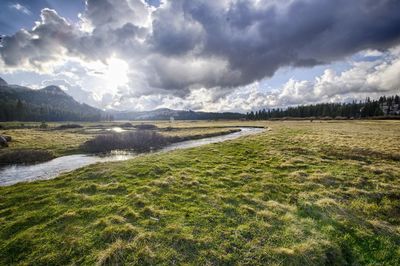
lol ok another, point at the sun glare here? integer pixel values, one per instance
(116, 72)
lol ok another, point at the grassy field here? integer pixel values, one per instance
(60, 142)
(301, 194)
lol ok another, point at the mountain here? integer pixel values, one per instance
(3, 82)
(53, 104)
(48, 104)
(166, 114)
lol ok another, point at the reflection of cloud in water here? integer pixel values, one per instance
(116, 129)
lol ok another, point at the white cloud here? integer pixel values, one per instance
(20, 8)
(362, 79)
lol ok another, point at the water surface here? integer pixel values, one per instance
(18, 173)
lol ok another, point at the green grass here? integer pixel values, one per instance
(59, 142)
(300, 194)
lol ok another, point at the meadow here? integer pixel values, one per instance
(32, 143)
(301, 193)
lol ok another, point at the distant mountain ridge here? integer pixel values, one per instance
(166, 114)
(48, 104)
(55, 90)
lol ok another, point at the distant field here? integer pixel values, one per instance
(320, 193)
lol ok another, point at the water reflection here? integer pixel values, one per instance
(116, 129)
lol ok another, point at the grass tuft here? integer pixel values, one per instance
(114, 254)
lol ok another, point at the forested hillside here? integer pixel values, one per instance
(384, 106)
(47, 104)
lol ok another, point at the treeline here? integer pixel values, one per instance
(192, 115)
(17, 110)
(384, 106)
(166, 114)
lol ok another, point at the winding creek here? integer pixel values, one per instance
(13, 174)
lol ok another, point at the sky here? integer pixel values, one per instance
(204, 55)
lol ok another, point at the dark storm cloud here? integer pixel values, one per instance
(258, 38)
(185, 45)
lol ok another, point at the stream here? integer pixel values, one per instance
(13, 174)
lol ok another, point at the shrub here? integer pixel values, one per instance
(25, 156)
(126, 125)
(139, 141)
(67, 126)
(44, 125)
(146, 126)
